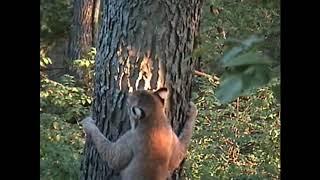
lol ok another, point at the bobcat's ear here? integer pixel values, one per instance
(162, 93)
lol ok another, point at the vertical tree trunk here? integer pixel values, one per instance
(96, 13)
(197, 44)
(83, 28)
(142, 45)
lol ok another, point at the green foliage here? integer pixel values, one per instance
(240, 140)
(61, 145)
(44, 62)
(88, 61)
(63, 98)
(85, 67)
(232, 54)
(246, 71)
(276, 90)
(62, 105)
(55, 19)
(247, 59)
(225, 22)
(250, 63)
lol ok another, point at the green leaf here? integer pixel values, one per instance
(256, 76)
(230, 88)
(231, 54)
(42, 64)
(49, 60)
(74, 89)
(87, 63)
(249, 58)
(45, 60)
(55, 125)
(83, 101)
(78, 61)
(276, 91)
(245, 44)
(82, 63)
(58, 137)
(241, 81)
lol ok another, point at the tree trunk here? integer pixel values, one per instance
(142, 45)
(96, 15)
(83, 28)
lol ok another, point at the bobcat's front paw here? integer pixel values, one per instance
(88, 124)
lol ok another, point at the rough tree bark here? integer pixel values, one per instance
(83, 28)
(142, 45)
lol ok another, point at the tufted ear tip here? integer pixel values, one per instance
(162, 93)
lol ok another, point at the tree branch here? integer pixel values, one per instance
(206, 75)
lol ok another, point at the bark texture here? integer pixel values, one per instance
(141, 45)
(83, 27)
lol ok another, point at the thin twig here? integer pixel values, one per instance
(237, 106)
(54, 68)
(206, 75)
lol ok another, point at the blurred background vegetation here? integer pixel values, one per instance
(237, 134)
